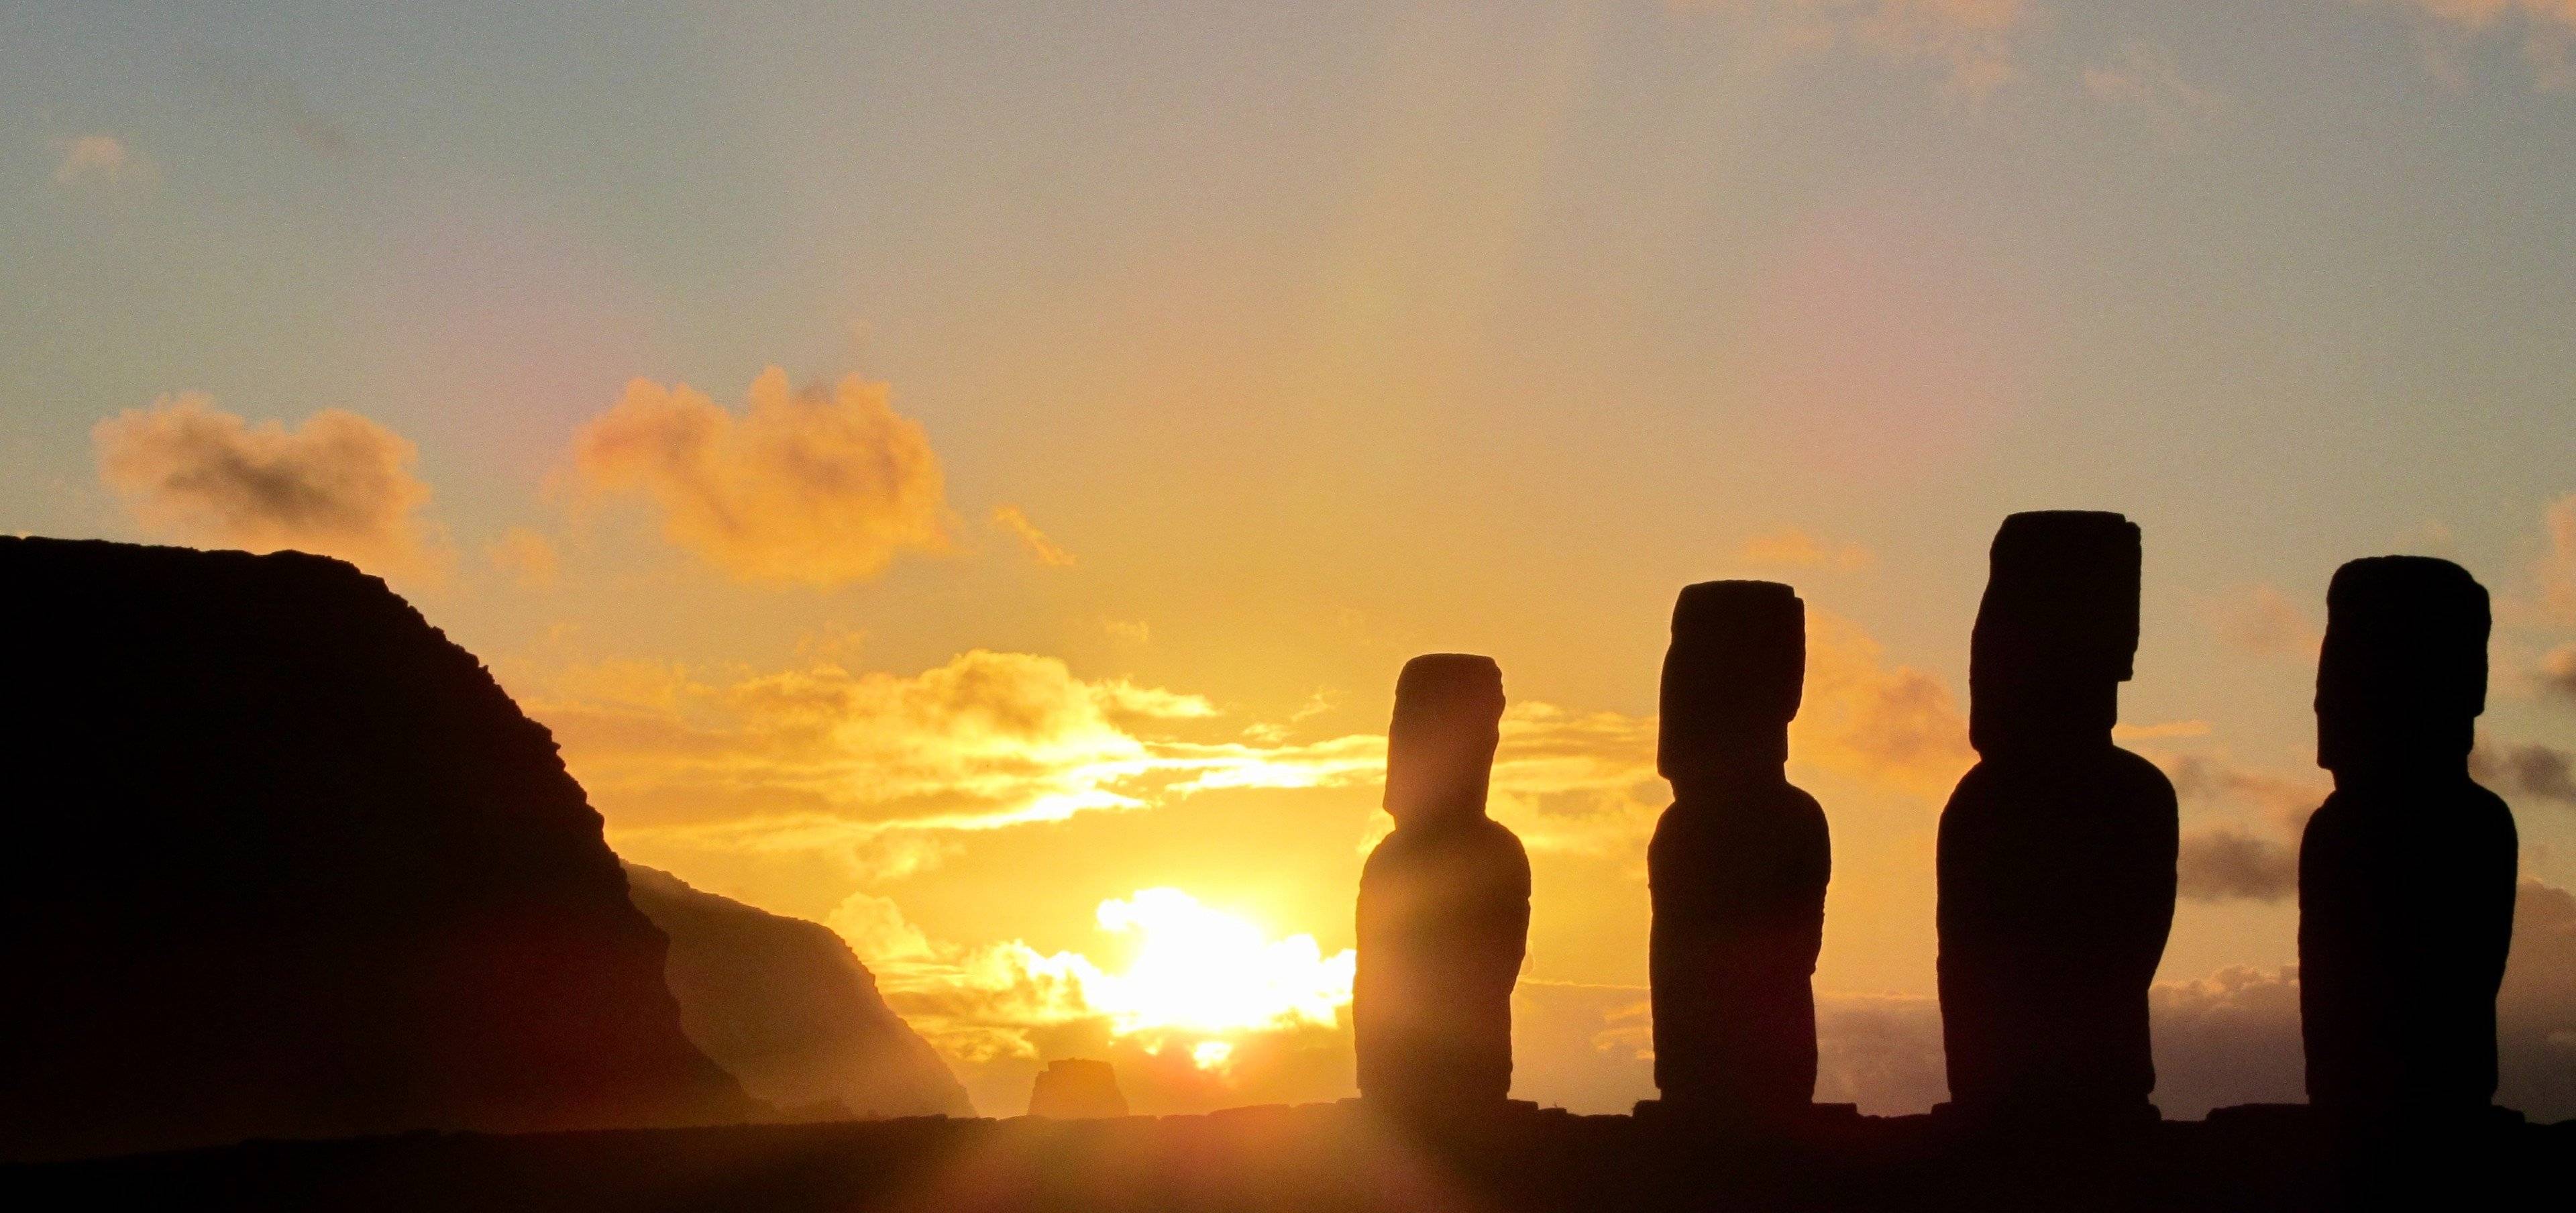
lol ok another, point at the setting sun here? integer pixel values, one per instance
(1202, 971)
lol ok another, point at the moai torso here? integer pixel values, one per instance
(1443, 917)
(1738, 865)
(2406, 874)
(2056, 852)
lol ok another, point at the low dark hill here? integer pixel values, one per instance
(282, 861)
(786, 1007)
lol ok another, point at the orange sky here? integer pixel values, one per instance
(940, 476)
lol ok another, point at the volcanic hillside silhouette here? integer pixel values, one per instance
(285, 862)
(785, 1006)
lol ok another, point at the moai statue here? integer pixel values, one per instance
(1739, 862)
(1444, 903)
(2056, 862)
(2406, 875)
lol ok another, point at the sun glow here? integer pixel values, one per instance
(1199, 971)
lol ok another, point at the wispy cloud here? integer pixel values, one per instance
(2558, 672)
(2545, 31)
(1973, 44)
(526, 557)
(1016, 524)
(1796, 549)
(2143, 78)
(99, 159)
(2555, 570)
(340, 484)
(814, 487)
(2263, 621)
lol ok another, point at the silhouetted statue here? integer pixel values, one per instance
(1739, 862)
(2406, 875)
(1444, 902)
(1077, 1089)
(2057, 850)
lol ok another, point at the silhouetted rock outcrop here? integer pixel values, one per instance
(283, 861)
(2057, 851)
(785, 1006)
(1739, 863)
(2406, 875)
(1077, 1089)
(1444, 902)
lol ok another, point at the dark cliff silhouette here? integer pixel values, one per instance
(785, 1006)
(1444, 902)
(1077, 1088)
(2056, 853)
(2407, 873)
(283, 861)
(1738, 864)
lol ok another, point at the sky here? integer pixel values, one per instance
(958, 472)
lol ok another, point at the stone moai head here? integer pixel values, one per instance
(1732, 679)
(1440, 746)
(2403, 674)
(2057, 631)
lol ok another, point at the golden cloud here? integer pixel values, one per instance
(806, 487)
(1581, 782)
(339, 485)
(1892, 725)
(823, 757)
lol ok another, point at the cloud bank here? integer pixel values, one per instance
(807, 487)
(821, 752)
(340, 484)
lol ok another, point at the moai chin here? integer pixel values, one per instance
(2056, 852)
(2406, 874)
(1443, 905)
(1738, 866)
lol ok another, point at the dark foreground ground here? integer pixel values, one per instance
(1324, 1157)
